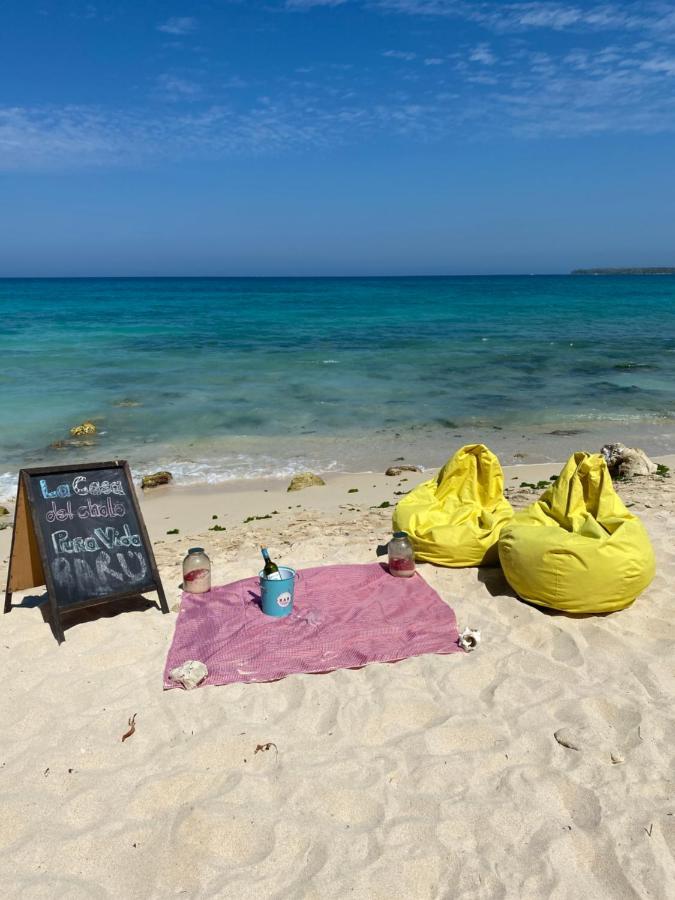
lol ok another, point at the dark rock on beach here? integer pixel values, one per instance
(562, 432)
(155, 480)
(396, 470)
(305, 480)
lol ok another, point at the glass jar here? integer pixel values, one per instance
(196, 571)
(401, 555)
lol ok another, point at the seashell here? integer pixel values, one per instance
(190, 674)
(469, 639)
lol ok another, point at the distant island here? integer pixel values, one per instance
(648, 270)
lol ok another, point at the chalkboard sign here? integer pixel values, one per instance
(79, 531)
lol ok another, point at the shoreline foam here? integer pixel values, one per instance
(249, 458)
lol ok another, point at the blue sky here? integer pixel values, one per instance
(328, 137)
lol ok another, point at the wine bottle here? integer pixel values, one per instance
(271, 569)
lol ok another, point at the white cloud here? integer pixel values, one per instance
(483, 54)
(308, 4)
(37, 139)
(528, 106)
(563, 17)
(178, 25)
(44, 138)
(405, 55)
(482, 78)
(661, 64)
(650, 15)
(173, 87)
(616, 83)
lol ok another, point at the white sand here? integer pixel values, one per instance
(436, 777)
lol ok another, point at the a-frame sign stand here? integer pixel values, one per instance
(29, 559)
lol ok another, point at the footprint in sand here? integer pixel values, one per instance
(564, 649)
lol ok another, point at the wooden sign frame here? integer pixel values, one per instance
(28, 551)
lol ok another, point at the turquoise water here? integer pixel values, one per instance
(243, 377)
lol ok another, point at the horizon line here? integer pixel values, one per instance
(249, 276)
(581, 271)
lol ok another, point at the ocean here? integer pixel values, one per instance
(224, 378)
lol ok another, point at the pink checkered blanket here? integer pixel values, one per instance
(343, 617)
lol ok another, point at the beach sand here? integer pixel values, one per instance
(438, 776)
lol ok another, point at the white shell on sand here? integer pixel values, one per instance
(469, 639)
(190, 674)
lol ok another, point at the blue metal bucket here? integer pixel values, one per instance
(276, 594)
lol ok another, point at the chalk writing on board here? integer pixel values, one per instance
(108, 538)
(89, 510)
(92, 533)
(80, 487)
(102, 574)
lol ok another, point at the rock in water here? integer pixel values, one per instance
(304, 480)
(396, 470)
(151, 481)
(83, 429)
(4, 511)
(76, 442)
(627, 462)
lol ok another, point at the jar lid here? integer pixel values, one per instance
(196, 550)
(400, 534)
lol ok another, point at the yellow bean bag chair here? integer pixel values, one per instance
(578, 548)
(455, 519)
